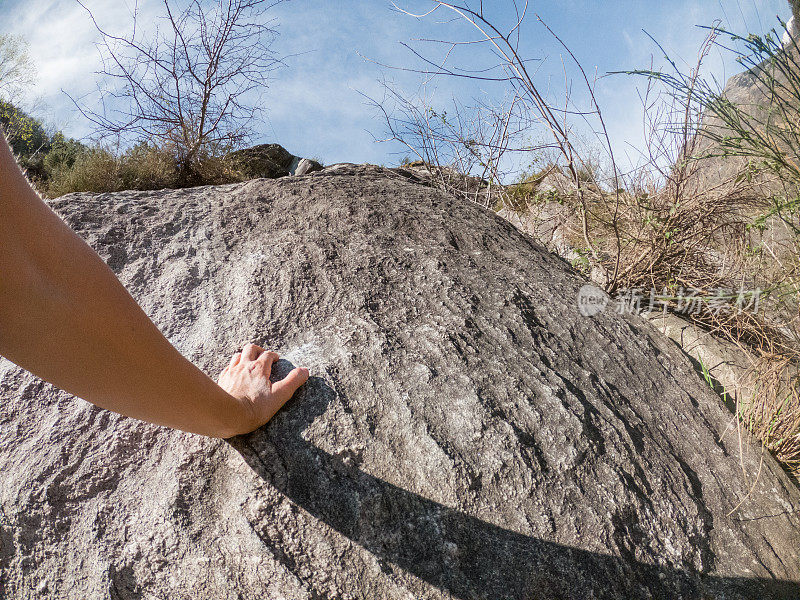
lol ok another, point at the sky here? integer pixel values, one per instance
(337, 52)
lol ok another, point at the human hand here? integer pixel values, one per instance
(246, 378)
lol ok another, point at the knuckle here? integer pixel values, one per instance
(268, 356)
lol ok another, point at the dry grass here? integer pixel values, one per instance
(687, 232)
(96, 170)
(142, 167)
(772, 412)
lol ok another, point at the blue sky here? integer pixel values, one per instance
(315, 104)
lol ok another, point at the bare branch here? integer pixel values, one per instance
(189, 86)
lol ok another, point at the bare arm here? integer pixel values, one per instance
(65, 317)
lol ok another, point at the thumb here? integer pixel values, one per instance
(286, 387)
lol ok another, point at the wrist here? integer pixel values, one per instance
(236, 418)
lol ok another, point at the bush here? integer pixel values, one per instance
(41, 155)
(145, 167)
(63, 153)
(218, 170)
(75, 168)
(99, 169)
(94, 170)
(58, 165)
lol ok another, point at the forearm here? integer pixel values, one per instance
(65, 317)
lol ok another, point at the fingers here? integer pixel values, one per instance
(235, 359)
(286, 387)
(251, 351)
(268, 356)
(265, 362)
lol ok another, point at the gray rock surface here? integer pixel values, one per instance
(266, 160)
(465, 433)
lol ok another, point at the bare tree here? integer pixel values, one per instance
(194, 85)
(463, 146)
(17, 70)
(528, 108)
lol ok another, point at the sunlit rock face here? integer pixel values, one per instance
(730, 170)
(466, 432)
(792, 25)
(790, 33)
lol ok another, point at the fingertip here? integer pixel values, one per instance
(300, 374)
(251, 351)
(268, 356)
(287, 386)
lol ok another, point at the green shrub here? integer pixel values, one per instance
(145, 167)
(63, 153)
(95, 170)
(76, 168)
(40, 154)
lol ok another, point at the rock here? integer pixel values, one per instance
(792, 24)
(724, 172)
(721, 171)
(790, 33)
(556, 182)
(541, 210)
(450, 179)
(465, 433)
(272, 161)
(738, 372)
(547, 212)
(729, 364)
(266, 160)
(551, 223)
(306, 166)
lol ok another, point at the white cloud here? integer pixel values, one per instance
(62, 43)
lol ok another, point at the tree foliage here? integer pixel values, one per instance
(42, 154)
(26, 134)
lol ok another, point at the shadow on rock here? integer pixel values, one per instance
(459, 554)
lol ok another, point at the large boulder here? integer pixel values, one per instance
(466, 433)
(271, 161)
(721, 169)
